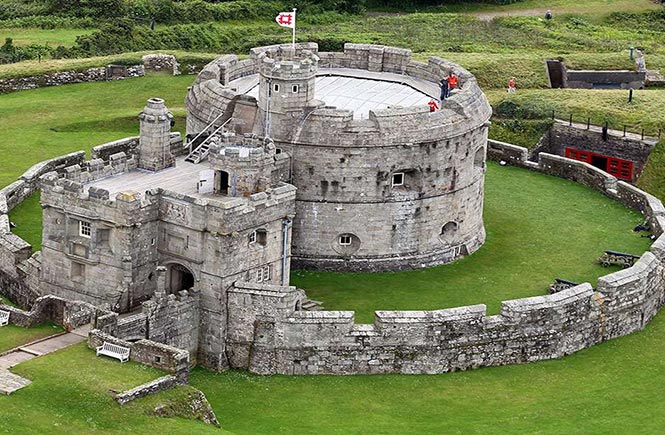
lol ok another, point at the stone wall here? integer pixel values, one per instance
(159, 62)
(530, 329)
(96, 74)
(70, 314)
(173, 360)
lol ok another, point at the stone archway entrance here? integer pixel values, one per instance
(179, 278)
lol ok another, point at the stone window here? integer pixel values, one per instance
(263, 273)
(345, 240)
(275, 87)
(278, 151)
(295, 89)
(85, 229)
(261, 237)
(398, 179)
(258, 236)
(103, 236)
(78, 271)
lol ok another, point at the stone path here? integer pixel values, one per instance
(10, 382)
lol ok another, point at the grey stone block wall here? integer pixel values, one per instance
(342, 166)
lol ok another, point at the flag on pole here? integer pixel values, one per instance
(287, 19)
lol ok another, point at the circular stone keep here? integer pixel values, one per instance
(383, 182)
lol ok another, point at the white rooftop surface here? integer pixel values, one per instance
(183, 178)
(353, 93)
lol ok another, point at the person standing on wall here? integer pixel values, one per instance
(511, 85)
(452, 82)
(445, 89)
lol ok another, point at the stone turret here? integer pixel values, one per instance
(154, 143)
(247, 162)
(286, 80)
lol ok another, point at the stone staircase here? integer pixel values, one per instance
(199, 154)
(310, 305)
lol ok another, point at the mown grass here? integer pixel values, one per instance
(12, 336)
(50, 122)
(33, 67)
(71, 393)
(50, 37)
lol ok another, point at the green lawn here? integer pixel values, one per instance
(71, 393)
(538, 228)
(51, 37)
(12, 336)
(49, 122)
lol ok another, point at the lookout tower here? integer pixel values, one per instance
(286, 83)
(154, 142)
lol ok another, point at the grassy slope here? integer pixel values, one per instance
(12, 336)
(530, 241)
(49, 122)
(70, 393)
(51, 37)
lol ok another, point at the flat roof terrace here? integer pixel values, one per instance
(358, 90)
(183, 178)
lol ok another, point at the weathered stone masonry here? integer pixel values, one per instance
(531, 329)
(343, 166)
(224, 316)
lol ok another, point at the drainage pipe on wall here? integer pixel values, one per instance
(286, 224)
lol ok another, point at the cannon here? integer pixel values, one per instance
(617, 258)
(561, 284)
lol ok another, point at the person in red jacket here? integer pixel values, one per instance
(432, 106)
(452, 81)
(511, 85)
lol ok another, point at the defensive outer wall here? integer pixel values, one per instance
(267, 334)
(342, 166)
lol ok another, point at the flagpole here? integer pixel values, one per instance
(293, 35)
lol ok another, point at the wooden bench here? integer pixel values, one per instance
(4, 318)
(114, 351)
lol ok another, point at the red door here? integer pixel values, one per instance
(622, 169)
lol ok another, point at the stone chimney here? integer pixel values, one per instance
(154, 143)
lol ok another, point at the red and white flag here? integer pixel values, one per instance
(286, 19)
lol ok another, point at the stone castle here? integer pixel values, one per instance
(327, 160)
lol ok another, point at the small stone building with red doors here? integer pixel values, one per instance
(623, 155)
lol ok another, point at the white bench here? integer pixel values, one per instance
(4, 318)
(114, 351)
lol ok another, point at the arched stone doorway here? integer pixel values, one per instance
(178, 277)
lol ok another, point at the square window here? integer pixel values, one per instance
(398, 179)
(85, 229)
(252, 237)
(345, 240)
(263, 274)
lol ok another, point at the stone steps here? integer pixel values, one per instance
(310, 305)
